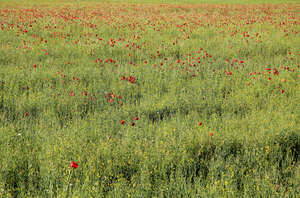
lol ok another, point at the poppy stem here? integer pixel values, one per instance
(68, 180)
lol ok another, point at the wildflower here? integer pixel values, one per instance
(122, 121)
(136, 118)
(211, 134)
(131, 79)
(132, 123)
(74, 165)
(199, 123)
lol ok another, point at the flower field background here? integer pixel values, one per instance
(149, 100)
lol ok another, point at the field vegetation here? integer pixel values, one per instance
(149, 99)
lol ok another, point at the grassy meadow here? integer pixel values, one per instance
(149, 99)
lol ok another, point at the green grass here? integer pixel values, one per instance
(62, 70)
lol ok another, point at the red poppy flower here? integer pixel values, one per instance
(211, 134)
(132, 123)
(199, 123)
(282, 91)
(136, 118)
(122, 121)
(26, 114)
(74, 165)
(107, 95)
(72, 93)
(34, 66)
(131, 79)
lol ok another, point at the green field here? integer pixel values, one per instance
(150, 99)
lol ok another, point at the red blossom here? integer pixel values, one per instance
(74, 165)
(276, 72)
(131, 79)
